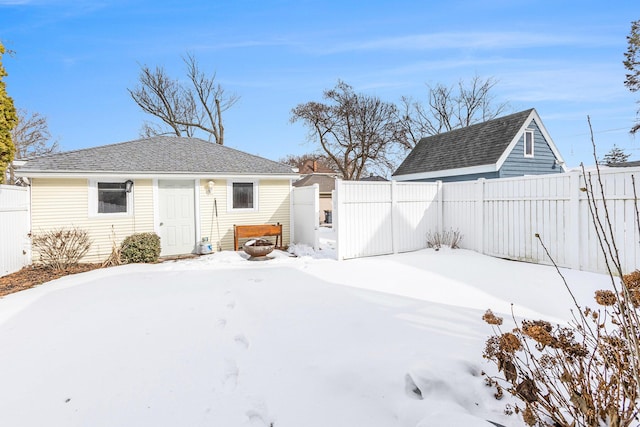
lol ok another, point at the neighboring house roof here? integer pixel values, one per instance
(156, 155)
(313, 166)
(631, 164)
(373, 177)
(325, 183)
(473, 148)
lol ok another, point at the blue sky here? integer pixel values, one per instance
(74, 61)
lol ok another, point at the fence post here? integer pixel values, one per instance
(440, 210)
(338, 204)
(394, 218)
(292, 214)
(316, 210)
(574, 221)
(479, 216)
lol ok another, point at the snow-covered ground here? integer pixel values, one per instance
(291, 342)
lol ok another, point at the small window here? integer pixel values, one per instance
(112, 197)
(242, 195)
(528, 143)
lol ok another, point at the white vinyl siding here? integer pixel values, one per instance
(63, 202)
(272, 200)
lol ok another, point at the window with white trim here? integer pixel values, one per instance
(528, 143)
(243, 195)
(110, 198)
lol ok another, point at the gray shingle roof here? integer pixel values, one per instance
(326, 183)
(475, 145)
(631, 164)
(160, 154)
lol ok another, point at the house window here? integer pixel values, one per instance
(243, 195)
(528, 143)
(110, 198)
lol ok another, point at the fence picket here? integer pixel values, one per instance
(497, 217)
(306, 215)
(15, 223)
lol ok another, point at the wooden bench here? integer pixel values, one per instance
(256, 231)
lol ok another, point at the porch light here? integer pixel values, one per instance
(128, 186)
(210, 186)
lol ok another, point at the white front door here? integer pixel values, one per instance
(176, 203)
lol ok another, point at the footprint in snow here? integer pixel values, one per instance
(241, 340)
(231, 305)
(256, 418)
(411, 388)
(221, 323)
(231, 373)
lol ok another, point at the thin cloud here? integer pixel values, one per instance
(14, 2)
(471, 40)
(244, 44)
(576, 83)
(449, 64)
(39, 2)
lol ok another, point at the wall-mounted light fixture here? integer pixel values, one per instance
(210, 186)
(128, 186)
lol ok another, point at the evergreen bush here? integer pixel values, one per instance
(140, 247)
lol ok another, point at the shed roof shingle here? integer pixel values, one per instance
(160, 154)
(325, 183)
(475, 145)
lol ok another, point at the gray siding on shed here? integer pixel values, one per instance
(469, 177)
(542, 162)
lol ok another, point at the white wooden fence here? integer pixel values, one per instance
(305, 203)
(498, 217)
(15, 222)
(376, 218)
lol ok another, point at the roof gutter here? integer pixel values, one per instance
(447, 172)
(152, 175)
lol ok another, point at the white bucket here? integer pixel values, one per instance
(205, 248)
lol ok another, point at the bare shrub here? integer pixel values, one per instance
(62, 248)
(587, 372)
(449, 238)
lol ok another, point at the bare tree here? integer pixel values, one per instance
(632, 64)
(356, 131)
(185, 110)
(322, 161)
(31, 137)
(450, 107)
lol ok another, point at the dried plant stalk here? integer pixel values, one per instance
(585, 373)
(62, 248)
